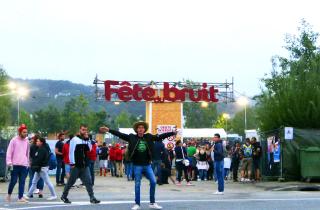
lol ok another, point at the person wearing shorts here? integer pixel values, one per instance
(246, 165)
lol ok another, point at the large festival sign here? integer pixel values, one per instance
(125, 91)
(164, 100)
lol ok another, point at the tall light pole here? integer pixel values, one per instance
(20, 92)
(226, 116)
(243, 101)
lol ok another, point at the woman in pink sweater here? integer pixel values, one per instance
(18, 159)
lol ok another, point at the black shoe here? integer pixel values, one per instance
(65, 200)
(31, 196)
(94, 201)
(40, 196)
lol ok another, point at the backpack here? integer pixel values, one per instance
(247, 151)
(52, 161)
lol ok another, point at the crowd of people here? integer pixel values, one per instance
(76, 157)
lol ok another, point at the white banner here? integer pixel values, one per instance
(288, 133)
(165, 129)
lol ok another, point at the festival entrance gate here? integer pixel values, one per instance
(163, 100)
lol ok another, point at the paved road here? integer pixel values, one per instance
(117, 194)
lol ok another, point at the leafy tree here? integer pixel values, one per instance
(291, 96)
(75, 113)
(97, 119)
(27, 119)
(47, 120)
(199, 117)
(5, 103)
(124, 120)
(237, 122)
(220, 122)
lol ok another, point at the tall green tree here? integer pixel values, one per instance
(221, 122)
(47, 120)
(5, 102)
(124, 120)
(291, 94)
(237, 124)
(199, 117)
(75, 112)
(27, 119)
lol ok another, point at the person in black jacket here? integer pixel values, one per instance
(141, 147)
(103, 158)
(79, 162)
(40, 166)
(256, 155)
(218, 163)
(33, 150)
(236, 157)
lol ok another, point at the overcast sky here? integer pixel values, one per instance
(205, 41)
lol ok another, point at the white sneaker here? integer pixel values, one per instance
(218, 193)
(154, 206)
(242, 180)
(26, 197)
(36, 191)
(51, 198)
(135, 207)
(22, 200)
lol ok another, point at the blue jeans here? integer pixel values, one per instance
(148, 172)
(43, 174)
(91, 168)
(203, 174)
(129, 170)
(156, 167)
(60, 173)
(20, 172)
(113, 168)
(219, 169)
(214, 172)
(40, 183)
(226, 172)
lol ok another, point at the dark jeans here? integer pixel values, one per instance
(84, 175)
(91, 168)
(218, 167)
(148, 172)
(60, 173)
(40, 183)
(20, 172)
(235, 168)
(181, 167)
(113, 168)
(156, 167)
(203, 174)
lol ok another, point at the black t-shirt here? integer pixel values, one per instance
(141, 154)
(256, 150)
(59, 146)
(103, 153)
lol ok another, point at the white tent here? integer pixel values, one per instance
(191, 132)
(203, 132)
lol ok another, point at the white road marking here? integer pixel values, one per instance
(82, 203)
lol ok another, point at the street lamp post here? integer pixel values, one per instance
(226, 116)
(20, 92)
(243, 101)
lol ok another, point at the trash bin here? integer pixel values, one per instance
(309, 162)
(3, 150)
